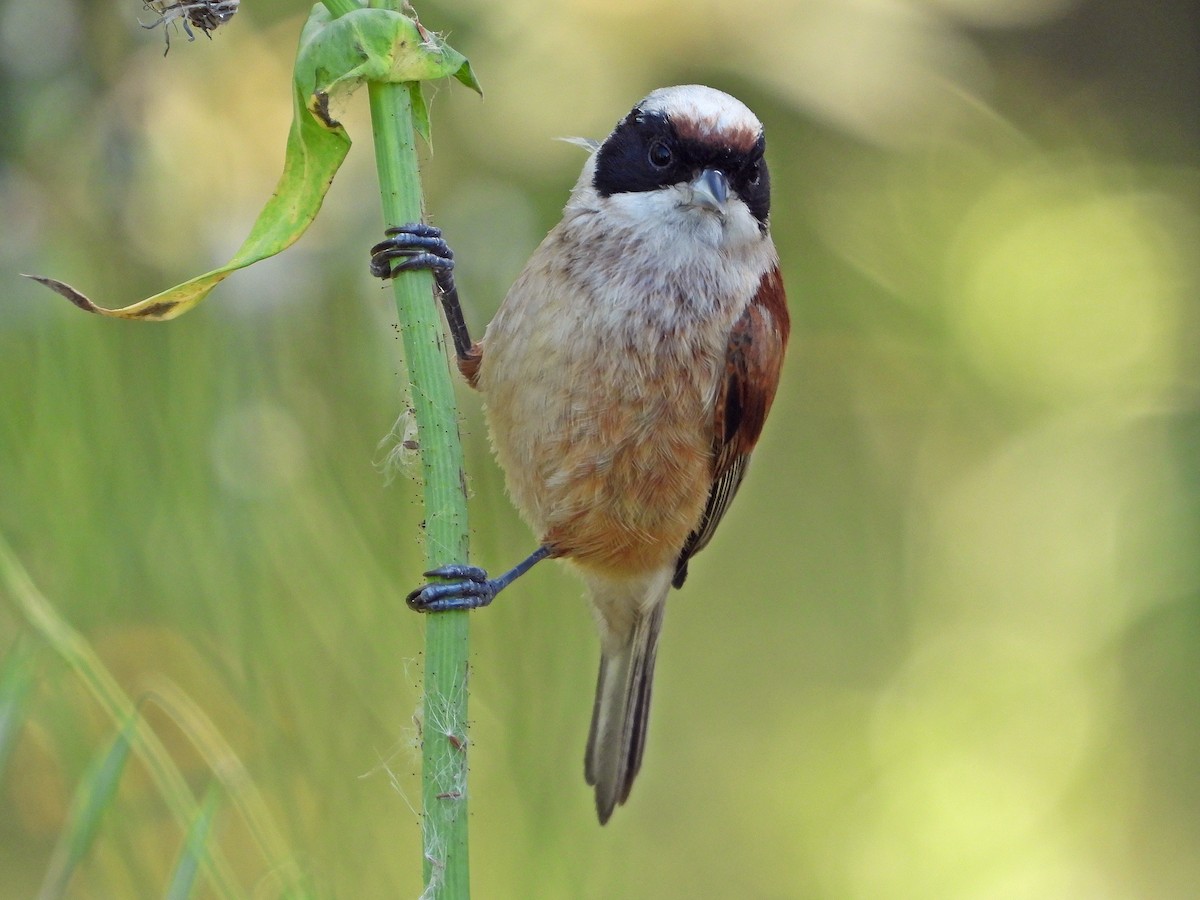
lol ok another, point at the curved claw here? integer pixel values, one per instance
(421, 229)
(421, 246)
(460, 571)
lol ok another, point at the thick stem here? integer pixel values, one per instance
(444, 781)
(339, 7)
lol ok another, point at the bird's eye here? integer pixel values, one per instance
(660, 155)
(755, 174)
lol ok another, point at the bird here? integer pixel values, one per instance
(626, 378)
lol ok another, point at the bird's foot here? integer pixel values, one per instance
(418, 245)
(470, 589)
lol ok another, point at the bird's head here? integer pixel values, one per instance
(687, 160)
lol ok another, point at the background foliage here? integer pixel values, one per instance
(945, 644)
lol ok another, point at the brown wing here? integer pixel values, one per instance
(752, 362)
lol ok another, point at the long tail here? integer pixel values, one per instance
(622, 709)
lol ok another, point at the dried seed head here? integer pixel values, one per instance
(207, 15)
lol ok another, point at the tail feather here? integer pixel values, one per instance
(621, 713)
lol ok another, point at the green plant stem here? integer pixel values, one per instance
(444, 738)
(444, 734)
(340, 7)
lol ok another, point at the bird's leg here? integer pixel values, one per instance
(421, 246)
(471, 588)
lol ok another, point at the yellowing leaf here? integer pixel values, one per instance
(334, 58)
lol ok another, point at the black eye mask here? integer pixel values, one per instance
(644, 153)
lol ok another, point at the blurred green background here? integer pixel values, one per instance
(946, 644)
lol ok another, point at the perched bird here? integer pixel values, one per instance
(627, 376)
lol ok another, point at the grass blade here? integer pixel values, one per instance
(78, 654)
(92, 799)
(16, 681)
(195, 850)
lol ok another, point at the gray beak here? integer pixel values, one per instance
(710, 190)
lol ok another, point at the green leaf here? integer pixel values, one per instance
(16, 680)
(195, 848)
(335, 57)
(372, 45)
(92, 800)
